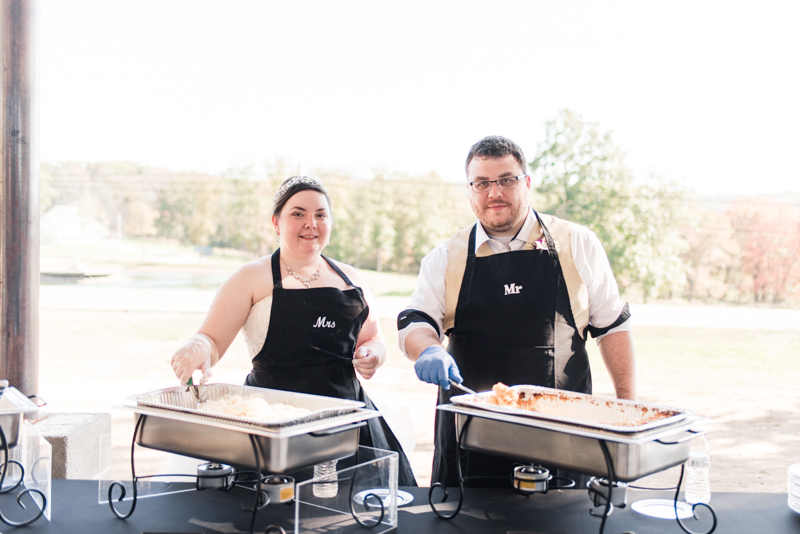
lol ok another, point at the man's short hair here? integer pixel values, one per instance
(496, 146)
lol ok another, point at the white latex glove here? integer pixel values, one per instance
(366, 362)
(194, 355)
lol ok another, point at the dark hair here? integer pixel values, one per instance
(292, 186)
(496, 146)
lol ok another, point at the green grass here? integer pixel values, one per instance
(703, 359)
(153, 255)
(389, 284)
(404, 293)
(732, 352)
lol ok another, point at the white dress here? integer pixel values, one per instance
(256, 326)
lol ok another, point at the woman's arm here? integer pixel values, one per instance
(228, 312)
(231, 305)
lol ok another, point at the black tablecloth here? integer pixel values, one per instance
(75, 509)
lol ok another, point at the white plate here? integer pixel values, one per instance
(794, 470)
(662, 508)
(794, 504)
(403, 497)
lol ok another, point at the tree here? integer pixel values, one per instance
(138, 218)
(654, 255)
(768, 234)
(710, 253)
(583, 178)
(189, 208)
(393, 220)
(244, 216)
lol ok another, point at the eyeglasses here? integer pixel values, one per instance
(483, 186)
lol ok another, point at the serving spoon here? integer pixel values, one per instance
(462, 387)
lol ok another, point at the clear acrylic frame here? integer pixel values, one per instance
(366, 497)
(34, 454)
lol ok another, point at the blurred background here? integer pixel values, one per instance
(668, 128)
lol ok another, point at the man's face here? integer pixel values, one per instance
(502, 212)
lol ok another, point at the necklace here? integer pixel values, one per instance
(303, 280)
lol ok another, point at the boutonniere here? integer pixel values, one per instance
(540, 244)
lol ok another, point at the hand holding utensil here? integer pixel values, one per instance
(196, 354)
(436, 366)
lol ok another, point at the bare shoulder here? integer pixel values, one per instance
(352, 273)
(260, 267)
(254, 277)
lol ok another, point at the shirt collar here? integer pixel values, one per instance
(522, 236)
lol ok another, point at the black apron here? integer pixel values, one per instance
(513, 324)
(309, 348)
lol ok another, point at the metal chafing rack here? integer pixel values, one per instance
(574, 447)
(566, 433)
(252, 452)
(172, 422)
(617, 439)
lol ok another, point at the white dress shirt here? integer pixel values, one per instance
(590, 261)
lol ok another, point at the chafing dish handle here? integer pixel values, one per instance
(37, 400)
(692, 434)
(337, 430)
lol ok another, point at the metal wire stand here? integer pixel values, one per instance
(241, 478)
(29, 492)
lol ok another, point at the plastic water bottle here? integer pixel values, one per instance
(326, 471)
(698, 487)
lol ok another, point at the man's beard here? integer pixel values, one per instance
(497, 226)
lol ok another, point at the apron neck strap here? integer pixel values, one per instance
(339, 272)
(551, 246)
(276, 270)
(471, 241)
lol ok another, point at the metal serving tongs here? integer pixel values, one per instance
(191, 385)
(462, 387)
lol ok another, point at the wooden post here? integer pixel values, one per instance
(19, 192)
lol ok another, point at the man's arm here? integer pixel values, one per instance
(425, 311)
(431, 362)
(618, 355)
(419, 340)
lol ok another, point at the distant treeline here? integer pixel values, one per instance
(387, 223)
(661, 241)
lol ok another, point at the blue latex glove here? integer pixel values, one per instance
(435, 366)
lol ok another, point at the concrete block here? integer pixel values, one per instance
(81, 444)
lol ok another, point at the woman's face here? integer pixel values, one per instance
(304, 225)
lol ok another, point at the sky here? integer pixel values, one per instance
(704, 93)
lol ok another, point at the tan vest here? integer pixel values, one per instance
(561, 232)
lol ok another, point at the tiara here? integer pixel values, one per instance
(295, 180)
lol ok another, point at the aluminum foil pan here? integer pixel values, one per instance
(574, 447)
(179, 400)
(615, 415)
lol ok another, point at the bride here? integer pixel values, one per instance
(306, 318)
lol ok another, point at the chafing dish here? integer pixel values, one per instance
(13, 407)
(571, 439)
(171, 422)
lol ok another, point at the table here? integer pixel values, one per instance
(75, 511)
